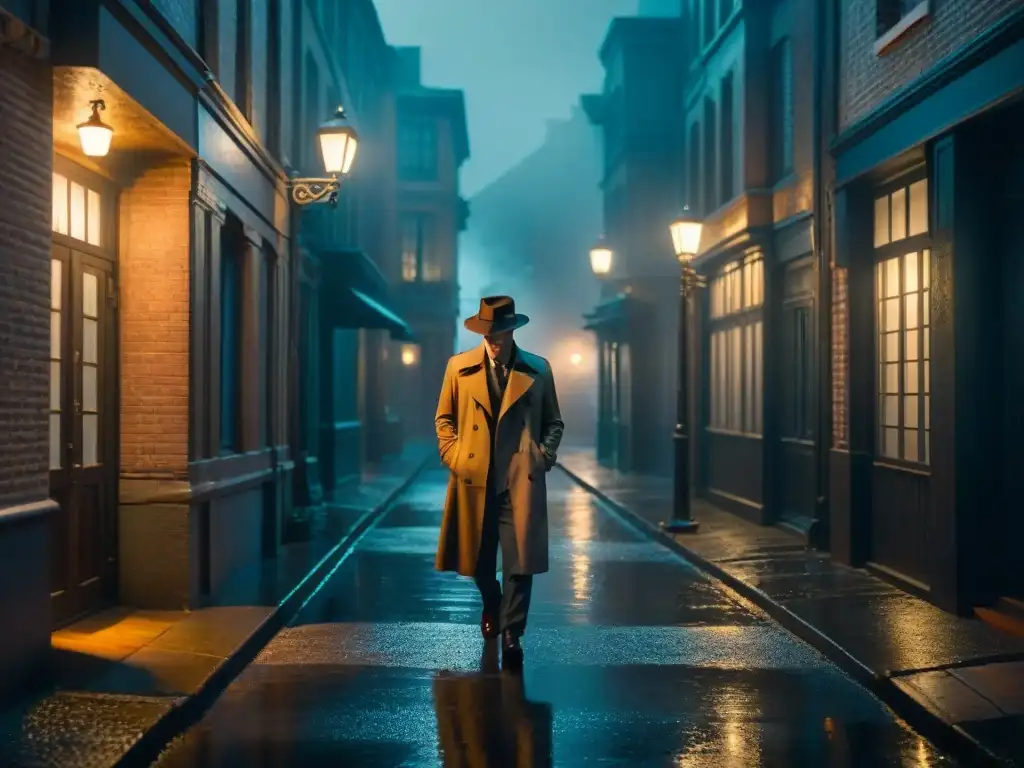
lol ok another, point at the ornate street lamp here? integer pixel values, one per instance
(601, 259)
(94, 134)
(686, 231)
(338, 144)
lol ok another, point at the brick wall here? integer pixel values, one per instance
(26, 153)
(154, 302)
(866, 79)
(840, 357)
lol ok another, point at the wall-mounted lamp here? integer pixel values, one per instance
(338, 144)
(409, 354)
(601, 258)
(94, 134)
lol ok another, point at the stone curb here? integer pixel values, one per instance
(948, 736)
(190, 709)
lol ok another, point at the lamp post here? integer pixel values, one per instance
(686, 231)
(338, 144)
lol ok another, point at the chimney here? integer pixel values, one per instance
(407, 66)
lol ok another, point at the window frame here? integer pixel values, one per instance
(895, 18)
(414, 145)
(781, 110)
(747, 317)
(423, 223)
(920, 244)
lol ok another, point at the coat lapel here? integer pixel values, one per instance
(520, 379)
(474, 379)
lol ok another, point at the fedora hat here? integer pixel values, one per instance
(497, 314)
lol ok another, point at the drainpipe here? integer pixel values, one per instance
(824, 90)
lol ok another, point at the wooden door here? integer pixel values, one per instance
(795, 457)
(83, 404)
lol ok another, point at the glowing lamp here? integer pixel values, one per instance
(576, 358)
(601, 259)
(338, 143)
(686, 231)
(94, 134)
(409, 355)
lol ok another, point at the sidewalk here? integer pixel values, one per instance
(957, 680)
(128, 681)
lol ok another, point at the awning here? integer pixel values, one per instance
(355, 294)
(609, 314)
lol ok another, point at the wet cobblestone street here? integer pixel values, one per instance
(633, 658)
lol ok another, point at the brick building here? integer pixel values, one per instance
(638, 112)
(749, 136)
(927, 157)
(156, 302)
(431, 145)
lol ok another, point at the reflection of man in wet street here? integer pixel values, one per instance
(498, 429)
(486, 721)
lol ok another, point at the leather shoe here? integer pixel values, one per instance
(488, 626)
(511, 651)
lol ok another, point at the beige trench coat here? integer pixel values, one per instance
(529, 429)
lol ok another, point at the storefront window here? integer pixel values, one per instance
(902, 277)
(736, 347)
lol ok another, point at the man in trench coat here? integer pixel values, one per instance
(498, 429)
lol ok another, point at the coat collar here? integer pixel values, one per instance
(473, 372)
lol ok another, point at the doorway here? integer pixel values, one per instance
(796, 453)
(83, 399)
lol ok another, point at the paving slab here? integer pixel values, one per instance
(957, 677)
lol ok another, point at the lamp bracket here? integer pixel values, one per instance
(98, 105)
(692, 280)
(306, 191)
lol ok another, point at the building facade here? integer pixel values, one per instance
(928, 164)
(161, 306)
(432, 143)
(750, 137)
(638, 112)
(344, 320)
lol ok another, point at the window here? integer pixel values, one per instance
(694, 168)
(781, 111)
(418, 258)
(313, 113)
(693, 28)
(736, 347)
(904, 339)
(724, 10)
(892, 13)
(231, 255)
(726, 190)
(417, 150)
(274, 78)
(243, 58)
(209, 33)
(709, 176)
(709, 21)
(77, 211)
(56, 364)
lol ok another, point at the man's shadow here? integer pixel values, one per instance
(484, 719)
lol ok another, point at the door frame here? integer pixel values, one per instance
(104, 258)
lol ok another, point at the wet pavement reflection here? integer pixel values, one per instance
(633, 658)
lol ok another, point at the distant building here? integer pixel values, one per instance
(432, 143)
(530, 234)
(639, 112)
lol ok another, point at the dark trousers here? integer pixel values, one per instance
(509, 603)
